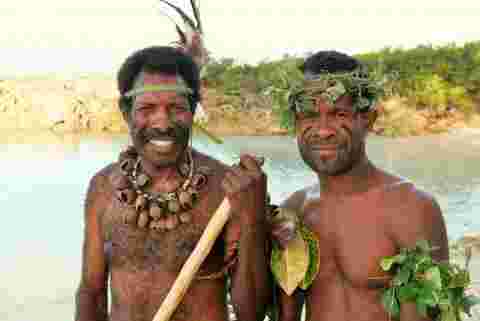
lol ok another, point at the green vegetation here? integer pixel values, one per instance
(437, 289)
(427, 90)
(432, 77)
(436, 81)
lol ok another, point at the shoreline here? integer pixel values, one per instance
(89, 104)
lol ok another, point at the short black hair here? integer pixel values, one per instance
(329, 61)
(158, 59)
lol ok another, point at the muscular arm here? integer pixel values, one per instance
(251, 286)
(91, 297)
(245, 185)
(425, 223)
(290, 306)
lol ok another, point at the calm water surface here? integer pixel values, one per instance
(44, 180)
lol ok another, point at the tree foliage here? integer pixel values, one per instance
(437, 78)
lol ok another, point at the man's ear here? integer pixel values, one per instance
(125, 105)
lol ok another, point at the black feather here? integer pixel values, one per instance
(186, 18)
(196, 13)
(183, 38)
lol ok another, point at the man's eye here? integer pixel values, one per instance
(143, 108)
(306, 114)
(342, 114)
(179, 107)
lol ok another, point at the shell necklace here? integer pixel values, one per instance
(158, 211)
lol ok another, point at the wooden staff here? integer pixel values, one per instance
(196, 258)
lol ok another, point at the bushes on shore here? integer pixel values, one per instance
(433, 80)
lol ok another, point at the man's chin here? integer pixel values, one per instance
(161, 157)
(336, 169)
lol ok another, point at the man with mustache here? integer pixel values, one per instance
(359, 212)
(145, 213)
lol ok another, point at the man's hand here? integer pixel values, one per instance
(282, 225)
(245, 185)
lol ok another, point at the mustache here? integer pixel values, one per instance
(147, 134)
(315, 140)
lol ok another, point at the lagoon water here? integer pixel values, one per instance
(44, 179)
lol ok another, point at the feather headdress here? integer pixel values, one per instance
(191, 36)
(191, 42)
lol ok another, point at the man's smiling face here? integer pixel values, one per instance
(331, 138)
(160, 121)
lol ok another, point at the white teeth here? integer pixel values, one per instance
(161, 143)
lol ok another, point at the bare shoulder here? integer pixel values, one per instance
(416, 216)
(99, 188)
(297, 200)
(412, 199)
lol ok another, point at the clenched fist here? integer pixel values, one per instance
(245, 185)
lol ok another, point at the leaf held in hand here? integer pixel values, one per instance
(289, 266)
(407, 293)
(423, 246)
(402, 276)
(387, 262)
(314, 257)
(433, 275)
(390, 303)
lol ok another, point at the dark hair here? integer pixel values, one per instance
(334, 62)
(329, 61)
(160, 60)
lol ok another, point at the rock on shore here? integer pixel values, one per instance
(89, 103)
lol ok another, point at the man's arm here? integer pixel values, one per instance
(425, 223)
(251, 286)
(91, 297)
(290, 306)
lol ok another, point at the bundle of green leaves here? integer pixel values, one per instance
(437, 288)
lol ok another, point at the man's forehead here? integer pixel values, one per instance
(171, 96)
(155, 85)
(158, 78)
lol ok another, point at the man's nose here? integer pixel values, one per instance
(161, 118)
(325, 133)
(324, 129)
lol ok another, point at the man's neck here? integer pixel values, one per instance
(357, 180)
(164, 178)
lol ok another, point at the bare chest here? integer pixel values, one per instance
(134, 248)
(353, 239)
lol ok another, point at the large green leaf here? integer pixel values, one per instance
(448, 315)
(438, 289)
(390, 303)
(423, 246)
(433, 275)
(407, 293)
(387, 262)
(314, 257)
(421, 308)
(460, 279)
(289, 266)
(402, 276)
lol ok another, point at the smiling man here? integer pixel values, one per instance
(359, 212)
(145, 213)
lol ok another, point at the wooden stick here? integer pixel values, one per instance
(196, 258)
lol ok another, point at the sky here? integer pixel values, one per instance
(76, 37)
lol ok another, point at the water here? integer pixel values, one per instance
(44, 180)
